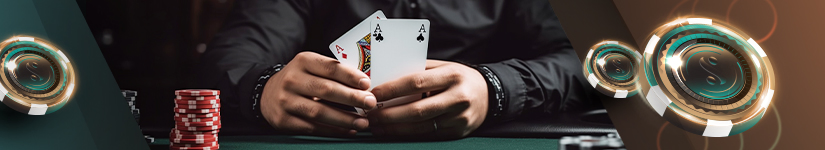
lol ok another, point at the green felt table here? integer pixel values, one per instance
(367, 142)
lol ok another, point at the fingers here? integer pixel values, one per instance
(330, 68)
(298, 125)
(317, 112)
(333, 91)
(416, 83)
(421, 110)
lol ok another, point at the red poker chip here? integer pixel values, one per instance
(214, 97)
(183, 119)
(190, 135)
(198, 115)
(193, 140)
(178, 147)
(204, 106)
(197, 111)
(185, 133)
(209, 128)
(199, 124)
(207, 144)
(197, 92)
(181, 136)
(197, 102)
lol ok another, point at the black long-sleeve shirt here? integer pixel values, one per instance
(521, 41)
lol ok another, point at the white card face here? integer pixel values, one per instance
(399, 48)
(353, 48)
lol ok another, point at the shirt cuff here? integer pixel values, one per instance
(513, 91)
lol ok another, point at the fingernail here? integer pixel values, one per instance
(360, 123)
(364, 83)
(378, 131)
(370, 102)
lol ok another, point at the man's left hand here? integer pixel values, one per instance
(457, 104)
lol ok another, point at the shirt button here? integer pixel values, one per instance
(412, 5)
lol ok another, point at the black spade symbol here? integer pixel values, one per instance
(378, 37)
(420, 37)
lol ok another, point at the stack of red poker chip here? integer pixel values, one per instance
(197, 120)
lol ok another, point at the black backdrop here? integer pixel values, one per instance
(153, 46)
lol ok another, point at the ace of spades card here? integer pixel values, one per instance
(399, 48)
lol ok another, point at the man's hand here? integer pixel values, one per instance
(456, 106)
(289, 98)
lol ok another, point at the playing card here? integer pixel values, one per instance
(353, 48)
(399, 48)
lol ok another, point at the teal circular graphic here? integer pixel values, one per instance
(37, 77)
(618, 67)
(712, 71)
(707, 77)
(34, 73)
(611, 68)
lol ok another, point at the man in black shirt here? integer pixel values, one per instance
(489, 62)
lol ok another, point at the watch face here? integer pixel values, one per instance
(36, 76)
(707, 77)
(611, 68)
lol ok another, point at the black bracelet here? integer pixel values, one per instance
(259, 88)
(495, 93)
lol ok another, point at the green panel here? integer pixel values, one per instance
(97, 117)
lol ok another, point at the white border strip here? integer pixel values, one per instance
(717, 128)
(658, 100)
(700, 21)
(651, 44)
(593, 80)
(757, 47)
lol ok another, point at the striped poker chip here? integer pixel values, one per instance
(192, 139)
(611, 68)
(197, 111)
(196, 106)
(128, 93)
(214, 132)
(183, 136)
(207, 128)
(199, 124)
(197, 115)
(183, 119)
(206, 144)
(178, 147)
(203, 140)
(214, 97)
(197, 102)
(197, 92)
(707, 77)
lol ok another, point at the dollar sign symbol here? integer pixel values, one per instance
(616, 63)
(709, 63)
(31, 66)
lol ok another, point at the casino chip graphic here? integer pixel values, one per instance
(611, 68)
(707, 77)
(37, 78)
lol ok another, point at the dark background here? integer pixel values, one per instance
(153, 46)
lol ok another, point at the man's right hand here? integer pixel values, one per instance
(289, 98)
